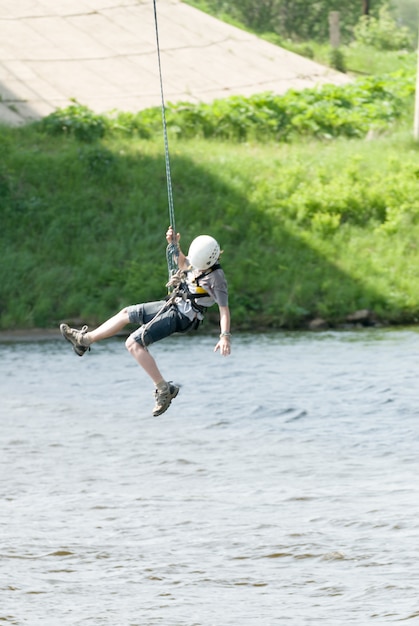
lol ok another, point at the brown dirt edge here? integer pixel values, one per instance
(29, 334)
(45, 334)
(35, 334)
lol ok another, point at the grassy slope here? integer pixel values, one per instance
(83, 230)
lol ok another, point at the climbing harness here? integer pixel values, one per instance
(174, 286)
(172, 248)
(178, 288)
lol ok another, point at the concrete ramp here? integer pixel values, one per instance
(103, 53)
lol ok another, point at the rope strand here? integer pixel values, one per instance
(172, 248)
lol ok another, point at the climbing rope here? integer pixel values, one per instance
(172, 248)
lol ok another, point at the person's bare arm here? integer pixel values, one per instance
(223, 344)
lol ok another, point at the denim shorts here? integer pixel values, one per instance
(157, 321)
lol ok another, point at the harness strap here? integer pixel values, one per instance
(193, 297)
(214, 267)
(179, 287)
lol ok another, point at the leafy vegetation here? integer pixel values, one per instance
(305, 21)
(325, 112)
(294, 19)
(330, 111)
(382, 32)
(303, 27)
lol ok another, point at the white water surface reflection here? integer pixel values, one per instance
(279, 488)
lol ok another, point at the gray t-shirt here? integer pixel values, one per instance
(214, 284)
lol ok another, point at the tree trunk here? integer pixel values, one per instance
(334, 30)
(365, 7)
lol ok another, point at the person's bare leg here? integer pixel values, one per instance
(165, 392)
(144, 358)
(111, 327)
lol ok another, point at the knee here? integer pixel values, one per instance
(132, 345)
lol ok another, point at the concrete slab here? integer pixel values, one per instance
(103, 54)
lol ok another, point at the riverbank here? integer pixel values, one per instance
(358, 321)
(33, 334)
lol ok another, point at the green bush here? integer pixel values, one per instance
(329, 111)
(75, 120)
(383, 32)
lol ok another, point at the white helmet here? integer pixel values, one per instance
(203, 252)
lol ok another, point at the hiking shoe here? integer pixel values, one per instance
(164, 397)
(75, 337)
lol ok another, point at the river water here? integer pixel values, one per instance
(281, 487)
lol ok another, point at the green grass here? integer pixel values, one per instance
(359, 59)
(353, 56)
(308, 229)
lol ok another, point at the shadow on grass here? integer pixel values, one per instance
(84, 235)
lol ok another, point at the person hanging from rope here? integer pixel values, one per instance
(198, 284)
